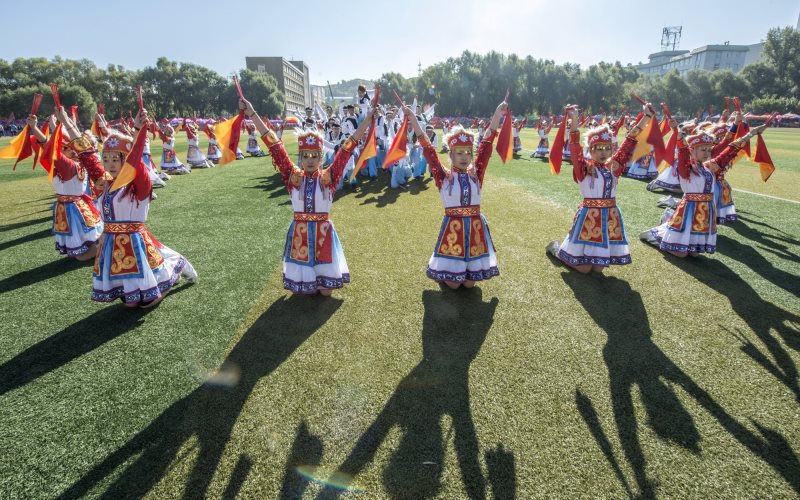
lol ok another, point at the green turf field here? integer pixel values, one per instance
(668, 378)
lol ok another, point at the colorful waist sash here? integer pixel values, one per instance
(470, 211)
(310, 217)
(123, 227)
(599, 202)
(698, 196)
(64, 198)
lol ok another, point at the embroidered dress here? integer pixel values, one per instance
(692, 227)
(668, 179)
(597, 236)
(194, 156)
(253, 149)
(131, 264)
(214, 154)
(643, 169)
(464, 250)
(169, 160)
(723, 197)
(76, 222)
(313, 256)
(543, 149)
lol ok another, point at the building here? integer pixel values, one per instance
(292, 78)
(708, 57)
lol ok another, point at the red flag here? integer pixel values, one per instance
(762, 158)
(399, 145)
(134, 165)
(370, 151)
(664, 126)
(656, 139)
(669, 154)
(505, 141)
(741, 130)
(228, 133)
(557, 149)
(50, 152)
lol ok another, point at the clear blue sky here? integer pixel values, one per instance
(342, 40)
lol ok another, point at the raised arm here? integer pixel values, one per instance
(579, 166)
(623, 154)
(343, 155)
(280, 159)
(81, 144)
(437, 170)
(723, 160)
(485, 147)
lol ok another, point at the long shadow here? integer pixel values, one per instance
(389, 195)
(209, 413)
(752, 258)
(773, 325)
(41, 273)
(68, 344)
(306, 451)
(777, 244)
(272, 184)
(633, 359)
(44, 233)
(17, 225)
(455, 326)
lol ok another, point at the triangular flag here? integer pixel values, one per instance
(664, 126)
(669, 153)
(134, 165)
(762, 158)
(52, 149)
(557, 150)
(370, 151)
(741, 131)
(228, 133)
(19, 148)
(505, 141)
(399, 145)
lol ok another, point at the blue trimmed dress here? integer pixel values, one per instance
(76, 222)
(313, 257)
(131, 264)
(692, 226)
(644, 168)
(597, 236)
(668, 179)
(464, 249)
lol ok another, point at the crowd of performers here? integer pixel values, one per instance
(104, 186)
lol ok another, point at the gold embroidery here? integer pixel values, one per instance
(323, 229)
(90, 218)
(451, 246)
(61, 224)
(122, 261)
(614, 230)
(299, 248)
(154, 257)
(700, 224)
(591, 230)
(98, 254)
(479, 248)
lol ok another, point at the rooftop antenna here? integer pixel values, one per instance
(419, 69)
(671, 37)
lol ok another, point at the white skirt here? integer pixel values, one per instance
(460, 266)
(310, 275)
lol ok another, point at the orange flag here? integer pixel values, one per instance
(762, 158)
(399, 145)
(741, 131)
(51, 151)
(649, 138)
(228, 133)
(557, 149)
(134, 166)
(19, 148)
(505, 141)
(370, 151)
(669, 153)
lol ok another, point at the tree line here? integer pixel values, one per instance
(472, 84)
(468, 85)
(169, 88)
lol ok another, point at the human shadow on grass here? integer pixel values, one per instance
(772, 239)
(774, 326)
(41, 273)
(70, 343)
(753, 259)
(44, 233)
(633, 359)
(209, 413)
(455, 325)
(17, 225)
(390, 195)
(306, 452)
(272, 184)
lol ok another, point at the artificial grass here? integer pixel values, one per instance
(665, 378)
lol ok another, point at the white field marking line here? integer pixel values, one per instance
(765, 195)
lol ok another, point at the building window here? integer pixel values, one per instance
(716, 67)
(262, 68)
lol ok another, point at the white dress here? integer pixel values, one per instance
(131, 264)
(76, 222)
